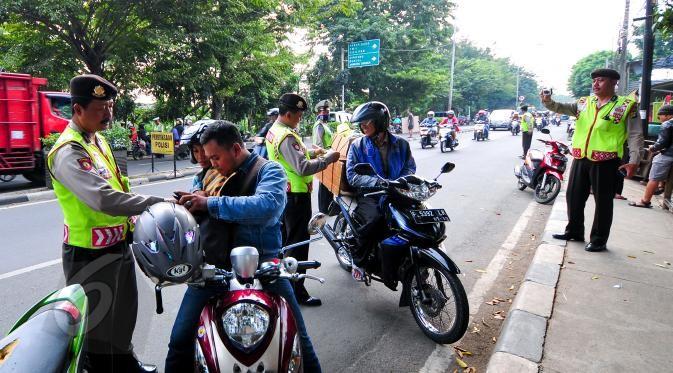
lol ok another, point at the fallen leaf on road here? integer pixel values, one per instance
(480, 270)
(509, 300)
(659, 265)
(569, 262)
(499, 317)
(667, 263)
(649, 252)
(475, 330)
(631, 256)
(461, 363)
(511, 287)
(532, 237)
(468, 261)
(484, 322)
(595, 278)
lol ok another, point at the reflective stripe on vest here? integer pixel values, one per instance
(326, 134)
(84, 226)
(600, 133)
(295, 182)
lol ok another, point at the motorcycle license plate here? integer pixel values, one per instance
(429, 216)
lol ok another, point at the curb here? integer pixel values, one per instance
(45, 195)
(521, 341)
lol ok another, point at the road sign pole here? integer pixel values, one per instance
(152, 162)
(175, 166)
(343, 85)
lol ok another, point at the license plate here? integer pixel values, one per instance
(429, 216)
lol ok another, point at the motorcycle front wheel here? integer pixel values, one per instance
(341, 231)
(547, 192)
(441, 146)
(444, 317)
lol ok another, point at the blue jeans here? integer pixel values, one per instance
(181, 350)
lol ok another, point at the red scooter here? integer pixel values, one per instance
(248, 329)
(543, 172)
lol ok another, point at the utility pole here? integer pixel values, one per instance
(453, 63)
(516, 100)
(343, 83)
(623, 51)
(648, 50)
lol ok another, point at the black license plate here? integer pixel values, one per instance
(429, 216)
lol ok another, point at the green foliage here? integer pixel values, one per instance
(49, 141)
(663, 44)
(664, 20)
(579, 82)
(118, 137)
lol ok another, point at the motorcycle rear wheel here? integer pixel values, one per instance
(546, 193)
(445, 291)
(343, 255)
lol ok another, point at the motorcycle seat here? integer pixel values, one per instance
(41, 344)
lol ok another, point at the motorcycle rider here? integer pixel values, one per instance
(430, 120)
(452, 122)
(391, 158)
(244, 210)
(260, 146)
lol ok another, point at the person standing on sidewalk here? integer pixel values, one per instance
(527, 124)
(662, 162)
(322, 139)
(604, 122)
(410, 123)
(286, 147)
(96, 203)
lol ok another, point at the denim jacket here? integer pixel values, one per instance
(258, 215)
(363, 150)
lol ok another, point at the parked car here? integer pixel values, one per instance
(501, 118)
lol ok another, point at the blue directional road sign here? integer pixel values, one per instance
(364, 53)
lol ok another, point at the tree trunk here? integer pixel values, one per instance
(216, 107)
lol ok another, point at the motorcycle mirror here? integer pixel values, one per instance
(545, 131)
(317, 222)
(448, 167)
(364, 169)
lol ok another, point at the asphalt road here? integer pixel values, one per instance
(358, 328)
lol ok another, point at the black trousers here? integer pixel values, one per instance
(295, 229)
(325, 197)
(526, 139)
(109, 280)
(601, 178)
(369, 227)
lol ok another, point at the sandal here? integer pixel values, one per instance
(641, 204)
(619, 196)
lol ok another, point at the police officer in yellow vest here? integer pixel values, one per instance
(604, 122)
(322, 138)
(286, 147)
(527, 125)
(96, 205)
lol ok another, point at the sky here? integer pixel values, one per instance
(544, 37)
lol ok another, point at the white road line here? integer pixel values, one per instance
(35, 267)
(440, 359)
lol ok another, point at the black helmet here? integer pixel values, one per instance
(373, 110)
(166, 244)
(196, 140)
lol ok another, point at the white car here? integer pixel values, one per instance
(501, 118)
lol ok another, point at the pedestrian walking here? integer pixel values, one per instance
(663, 161)
(527, 124)
(322, 139)
(96, 203)
(286, 147)
(604, 122)
(410, 123)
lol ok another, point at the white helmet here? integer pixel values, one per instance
(451, 112)
(431, 113)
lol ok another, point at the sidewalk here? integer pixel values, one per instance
(613, 310)
(595, 312)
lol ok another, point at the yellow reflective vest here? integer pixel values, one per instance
(295, 182)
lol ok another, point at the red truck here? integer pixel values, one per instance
(26, 115)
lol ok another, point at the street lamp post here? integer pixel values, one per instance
(516, 99)
(453, 63)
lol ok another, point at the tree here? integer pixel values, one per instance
(579, 82)
(663, 44)
(664, 19)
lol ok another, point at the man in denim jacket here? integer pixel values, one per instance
(240, 218)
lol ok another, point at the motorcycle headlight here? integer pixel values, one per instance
(418, 192)
(245, 323)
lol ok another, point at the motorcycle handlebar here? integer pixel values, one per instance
(309, 264)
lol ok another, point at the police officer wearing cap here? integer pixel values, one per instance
(527, 125)
(96, 204)
(285, 146)
(322, 138)
(604, 121)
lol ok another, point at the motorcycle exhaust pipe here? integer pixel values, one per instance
(329, 234)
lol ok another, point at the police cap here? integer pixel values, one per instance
(293, 101)
(605, 73)
(524, 107)
(665, 110)
(323, 104)
(89, 86)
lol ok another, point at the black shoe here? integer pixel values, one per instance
(310, 301)
(130, 363)
(594, 247)
(568, 237)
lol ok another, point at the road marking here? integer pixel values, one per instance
(441, 358)
(29, 269)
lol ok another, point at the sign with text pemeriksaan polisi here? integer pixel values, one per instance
(162, 143)
(364, 53)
